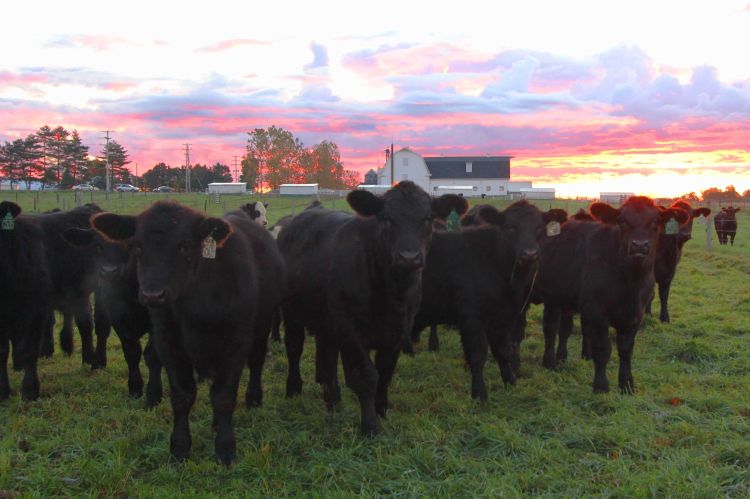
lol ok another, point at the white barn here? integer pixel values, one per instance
(615, 197)
(227, 188)
(538, 193)
(298, 189)
(489, 175)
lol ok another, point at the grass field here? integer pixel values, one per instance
(686, 432)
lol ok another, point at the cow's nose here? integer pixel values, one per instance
(107, 270)
(640, 246)
(409, 259)
(529, 255)
(265, 222)
(154, 298)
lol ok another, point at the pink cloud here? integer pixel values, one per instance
(10, 79)
(230, 44)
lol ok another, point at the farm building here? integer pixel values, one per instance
(298, 189)
(227, 188)
(614, 197)
(461, 190)
(537, 193)
(371, 178)
(489, 175)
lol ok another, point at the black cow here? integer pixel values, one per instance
(257, 212)
(725, 223)
(669, 252)
(480, 280)
(25, 297)
(270, 266)
(117, 301)
(74, 278)
(198, 276)
(606, 272)
(355, 283)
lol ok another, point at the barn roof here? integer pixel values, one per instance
(481, 167)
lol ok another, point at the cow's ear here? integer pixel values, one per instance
(678, 214)
(445, 204)
(736, 209)
(216, 228)
(79, 237)
(701, 211)
(266, 205)
(365, 203)
(604, 213)
(490, 215)
(9, 207)
(114, 227)
(555, 215)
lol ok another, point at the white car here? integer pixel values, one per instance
(85, 187)
(126, 188)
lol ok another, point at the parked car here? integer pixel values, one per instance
(126, 188)
(163, 188)
(84, 187)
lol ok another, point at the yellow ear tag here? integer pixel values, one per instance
(553, 229)
(208, 248)
(672, 227)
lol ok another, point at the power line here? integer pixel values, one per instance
(187, 167)
(236, 171)
(107, 168)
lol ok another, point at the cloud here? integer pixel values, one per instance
(94, 42)
(231, 44)
(320, 57)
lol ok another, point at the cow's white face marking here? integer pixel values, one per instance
(261, 219)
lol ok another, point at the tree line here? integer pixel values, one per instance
(275, 156)
(56, 157)
(714, 194)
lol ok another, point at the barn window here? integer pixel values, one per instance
(468, 167)
(488, 188)
(474, 188)
(404, 161)
(502, 188)
(434, 188)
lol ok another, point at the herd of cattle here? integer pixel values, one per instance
(210, 291)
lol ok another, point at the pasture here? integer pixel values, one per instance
(686, 431)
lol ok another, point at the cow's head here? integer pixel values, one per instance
(730, 211)
(582, 216)
(170, 242)
(640, 222)
(257, 212)
(686, 229)
(524, 226)
(404, 217)
(113, 258)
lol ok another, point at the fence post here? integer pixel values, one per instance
(709, 235)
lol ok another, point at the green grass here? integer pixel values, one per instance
(686, 432)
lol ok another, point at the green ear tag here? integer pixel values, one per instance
(453, 222)
(672, 227)
(9, 223)
(553, 229)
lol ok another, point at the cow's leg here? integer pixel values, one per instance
(153, 387)
(276, 331)
(517, 336)
(30, 383)
(731, 237)
(82, 313)
(256, 359)
(566, 329)
(664, 300)
(585, 340)
(224, 399)
(4, 382)
(474, 340)
(181, 391)
(625, 342)
(601, 349)
(550, 327)
(500, 341)
(433, 344)
(131, 348)
(362, 377)
(294, 341)
(66, 334)
(327, 360)
(385, 362)
(102, 326)
(47, 342)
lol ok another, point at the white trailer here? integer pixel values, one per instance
(298, 189)
(615, 197)
(227, 188)
(461, 190)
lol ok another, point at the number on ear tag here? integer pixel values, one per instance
(208, 248)
(8, 223)
(553, 229)
(672, 227)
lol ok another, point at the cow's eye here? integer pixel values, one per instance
(182, 248)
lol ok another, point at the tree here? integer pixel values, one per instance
(118, 158)
(249, 171)
(76, 160)
(276, 152)
(162, 174)
(220, 173)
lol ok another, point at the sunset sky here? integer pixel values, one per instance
(645, 96)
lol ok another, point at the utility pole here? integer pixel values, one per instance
(187, 167)
(236, 171)
(392, 179)
(107, 173)
(136, 174)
